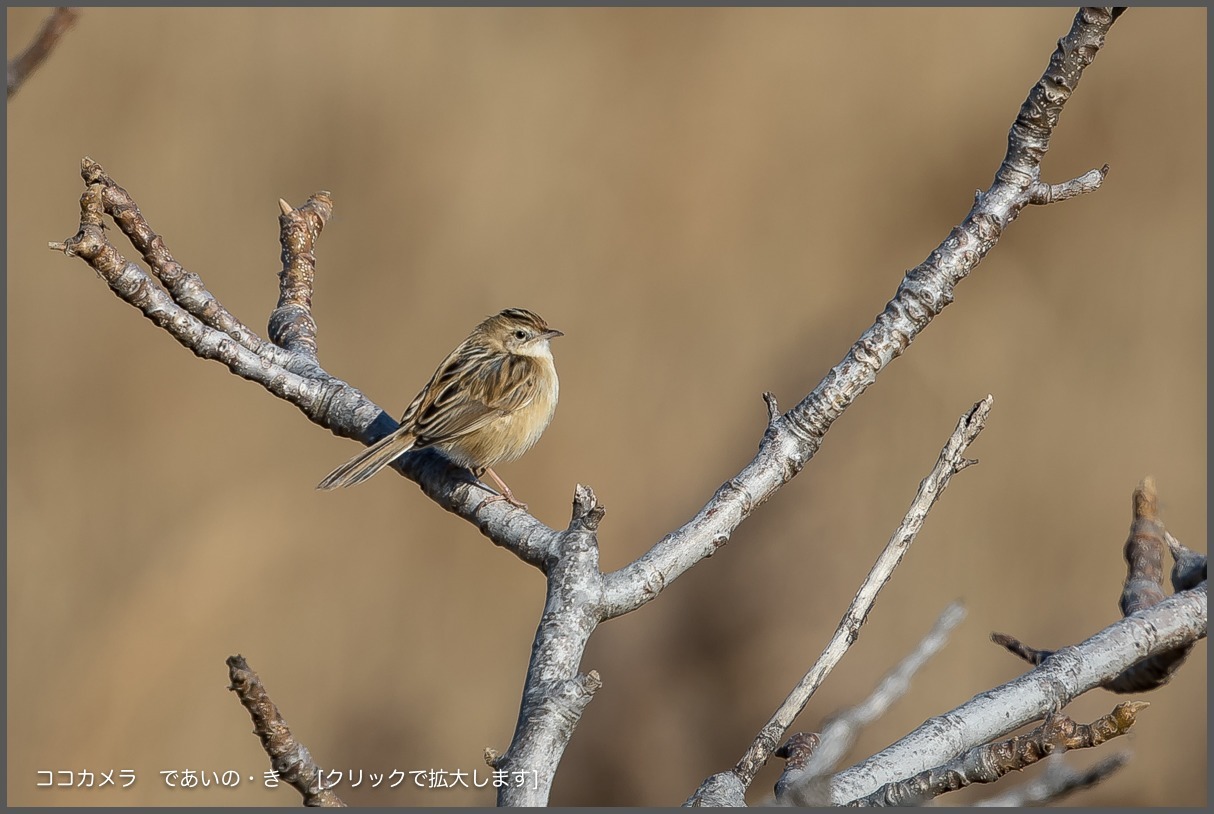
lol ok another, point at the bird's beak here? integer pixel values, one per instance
(551, 334)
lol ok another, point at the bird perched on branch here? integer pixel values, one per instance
(489, 401)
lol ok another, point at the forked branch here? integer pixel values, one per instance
(806, 779)
(792, 439)
(951, 461)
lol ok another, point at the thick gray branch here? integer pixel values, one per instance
(991, 761)
(1070, 672)
(555, 694)
(198, 321)
(792, 439)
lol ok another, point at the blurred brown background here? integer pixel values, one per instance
(710, 203)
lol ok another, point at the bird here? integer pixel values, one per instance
(487, 403)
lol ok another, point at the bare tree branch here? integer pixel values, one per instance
(288, 757)
(1059, 780)
(988, 763)
(840, 733)
(579, 596)
(24, 64)
(192, 316)
(555, 694)
(1143, 588)
(1067, 674)
(1143, 552)
(792, 439)
(291, 324)
(951, 460)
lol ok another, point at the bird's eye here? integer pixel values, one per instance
(520, 334)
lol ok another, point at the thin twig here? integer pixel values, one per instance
(840, 733)
(164, 307)
(53, 28)
(289, 758)
(1059, 780)
(989, 762)
(1143, 552)
(951, 461)
(186, 289)
(291, 323)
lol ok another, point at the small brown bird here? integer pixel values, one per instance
(489, 401)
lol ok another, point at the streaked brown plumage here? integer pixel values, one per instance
(489, 401)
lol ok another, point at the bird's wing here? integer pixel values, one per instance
(457, 401)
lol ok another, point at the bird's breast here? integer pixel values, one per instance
(508, 436)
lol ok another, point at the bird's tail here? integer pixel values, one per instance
(369, 461)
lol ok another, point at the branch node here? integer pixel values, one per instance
(1041, 193)
(798, 748)
(91, 171)
(591, 682)
(587, 514)
(1189, 567)
(773, 409)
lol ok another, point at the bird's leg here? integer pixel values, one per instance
(505, 493)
